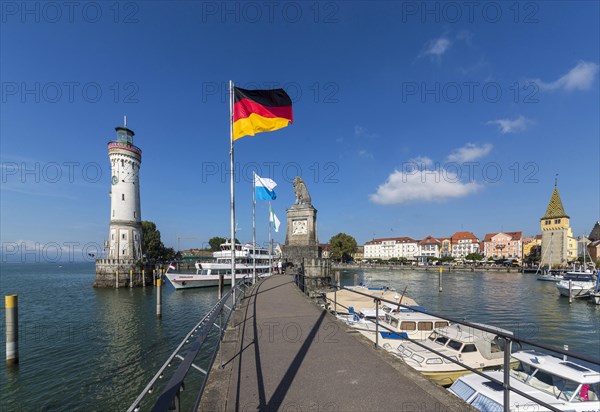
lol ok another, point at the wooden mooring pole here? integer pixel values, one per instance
(440, 280)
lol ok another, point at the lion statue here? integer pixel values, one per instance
(301, 192)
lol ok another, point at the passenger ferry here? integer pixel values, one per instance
(207, 274)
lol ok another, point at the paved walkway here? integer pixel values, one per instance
(283, 352)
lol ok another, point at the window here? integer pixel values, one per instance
(441, 324)
(454, 345)
(557, 221)
(469, 348)
(425, 325)
(408, 326)
(123, 196)
(134, 214)
(123, 236)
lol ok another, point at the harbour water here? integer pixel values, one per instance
(93, 349)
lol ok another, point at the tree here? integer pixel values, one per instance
(152, 246)
(342, 246)
(215, 243)
(476, 257)
(444, 259)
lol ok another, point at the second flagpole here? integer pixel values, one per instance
(232, 198)
(254, 227)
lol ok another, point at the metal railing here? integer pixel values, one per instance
(508, 338)
(187, 351)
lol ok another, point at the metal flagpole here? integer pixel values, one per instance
(254, 227)
(270, 239)
(232, 198)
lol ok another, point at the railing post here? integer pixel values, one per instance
(507, 353)
(570, 291)
(335, 299)
(376, 323)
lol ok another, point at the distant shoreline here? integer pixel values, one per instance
(436, 269)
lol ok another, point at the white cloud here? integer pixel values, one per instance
(365, 154)
(580, 77)
(422, 185)
(469, 153)
(436, 48)
(362, 132)
(511, 125)
(421, 161)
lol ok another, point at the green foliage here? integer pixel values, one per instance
(342, 247)
(152, 246)
(445, 259)
(474, 256)
(215, 243)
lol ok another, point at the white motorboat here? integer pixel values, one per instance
(550, 276)
(398, 325)
(207, 274)
(479, 350)
(580, 284)
(562, 384)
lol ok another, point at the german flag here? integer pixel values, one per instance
(256, 111)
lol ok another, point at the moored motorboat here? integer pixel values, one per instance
(577, 284)
(477, 349)
(560, 383)
(247, 258)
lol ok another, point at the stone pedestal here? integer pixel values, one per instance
(301, 241)
(106, 270)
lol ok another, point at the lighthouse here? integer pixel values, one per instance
(124, 244)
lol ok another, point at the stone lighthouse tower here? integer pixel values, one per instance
(125, 231)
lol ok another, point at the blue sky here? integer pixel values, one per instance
(411, 119)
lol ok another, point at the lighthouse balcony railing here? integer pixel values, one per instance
(125, 146)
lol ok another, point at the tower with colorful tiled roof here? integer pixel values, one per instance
(558, 246)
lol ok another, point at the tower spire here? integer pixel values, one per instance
(556, 180)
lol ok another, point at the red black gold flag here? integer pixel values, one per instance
(256, 111)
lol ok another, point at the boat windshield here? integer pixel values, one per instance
(554, 385)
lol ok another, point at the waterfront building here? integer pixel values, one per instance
(503, 245)
(558, 245)
(445, 246)
(359, 254)
(391, 247)
(430, 247)
(532, 246)
(324, 250)
(464, 243)
(594, 246)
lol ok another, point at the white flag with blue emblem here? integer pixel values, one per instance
(264, 188)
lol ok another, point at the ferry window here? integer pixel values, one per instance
(425, 325)
(454, 345)
(407, 352)
(394, 322)
(408, 326)
(469, 348)
(441, 324)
